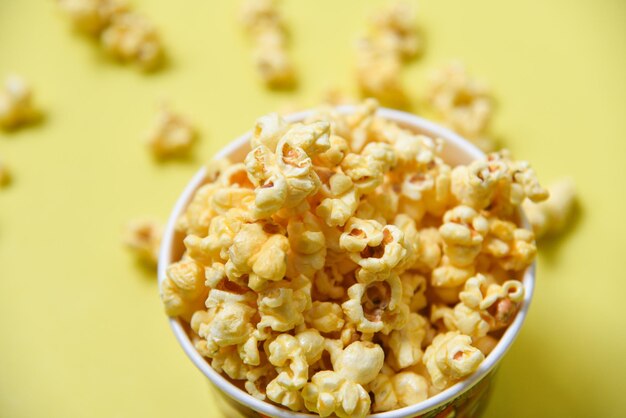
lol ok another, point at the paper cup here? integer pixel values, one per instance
(464, 399)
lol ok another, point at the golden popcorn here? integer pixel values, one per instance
(392, 40)
(170, 135)
(344, 268)
(463, 103)
(143, 238)
(123, 33)
(450, 358)
(16, 103)
(551, 216)
(266, 28)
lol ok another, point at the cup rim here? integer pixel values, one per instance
(244, 398)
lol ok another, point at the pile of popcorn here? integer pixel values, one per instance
(266, 28)
(123, 33)
(392, 40)
(344, 267)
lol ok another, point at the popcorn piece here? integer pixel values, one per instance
(143, 238)
(325, 316)
(449, 275)
(171, 135)
(414, 291)
(551, 216)
(451, 357)
(377, 306)
(430, 249)
(463, 103)
(258, 378)
(406, 343)
(330, 393)
(132, 38)
(308, 246)
(398, 390)
(360, 362)
(463, 232)
(260, 255)
(342, 203)
(282, 305)
(16, 104)
(264, 24)
(226, 360)
(328, 283)
(474, 185)
(182, 291)
(513, 248)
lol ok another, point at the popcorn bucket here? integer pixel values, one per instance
(466, 398)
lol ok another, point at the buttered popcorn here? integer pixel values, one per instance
(345, 268)
(16, 103)
(266, 28)
(123, 33)
(170, 135)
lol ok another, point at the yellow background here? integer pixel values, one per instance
(82, 331)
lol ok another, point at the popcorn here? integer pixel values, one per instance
(171, 134)
(391, 41)
(123, 33)
(319, 256)
(463, 103)
(16, 104)
(330, 393)
(325, 316)
(143, 238)
(265, 26)
(451, 357)
(551, 216)
(397, 391)
(463, 232)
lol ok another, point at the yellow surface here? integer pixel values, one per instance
(82, 332)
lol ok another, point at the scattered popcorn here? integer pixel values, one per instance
(171, 134)
(344, 268)
(392, 40)
(143, 237)
(16, 107)
(123, 33)
(266, 28)
(552, 216)
(461, 102)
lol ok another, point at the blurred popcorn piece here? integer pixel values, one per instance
(132, 38)
(123, 33)
(552, 215)
(143, 238)
(265, 26)
(392, 39)
(16, 107)
(171, 135)
(462, 103)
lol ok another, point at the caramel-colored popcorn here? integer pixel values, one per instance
(16, 103)
(345, 268)
(450, 358)
(266, 28)
(170, 135)
(551, 216)
(143, 238)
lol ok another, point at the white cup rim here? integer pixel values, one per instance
(267, 408)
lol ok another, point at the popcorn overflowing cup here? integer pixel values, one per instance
(351, 261)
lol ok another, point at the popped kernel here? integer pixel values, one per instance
(92, 16)
(142, 237)
(130, 37)
(398, 390)
(451, 357)
(16, 103)
(325, 316)
(170, 135)
(462, 102)
(552, 215)
(330, 393)
(266, 28)
(327, 287)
